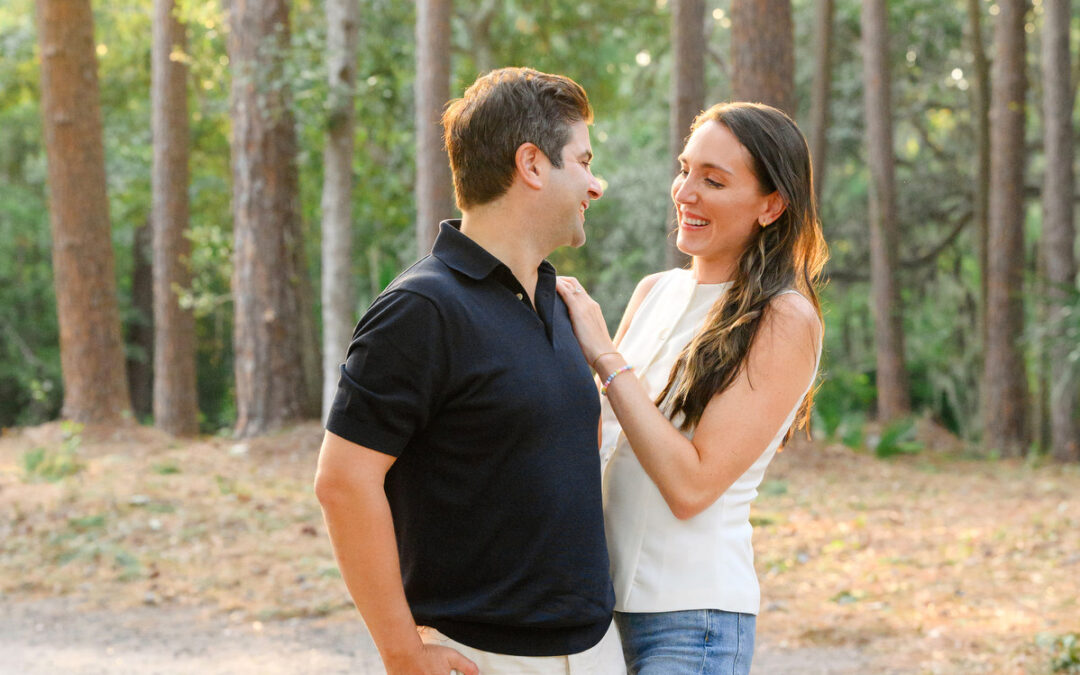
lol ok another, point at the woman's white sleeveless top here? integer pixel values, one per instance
(660, 563)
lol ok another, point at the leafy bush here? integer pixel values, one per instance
(841, 406)
(898, 438)
(52, 465)
(1064, 651)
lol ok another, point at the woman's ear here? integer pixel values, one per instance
(774, 208)
(531, 164)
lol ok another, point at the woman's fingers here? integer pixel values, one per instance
(569, 286)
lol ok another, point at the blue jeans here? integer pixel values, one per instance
(692, 642)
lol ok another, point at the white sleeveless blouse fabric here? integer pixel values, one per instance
(660, 563)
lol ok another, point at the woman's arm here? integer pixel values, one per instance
(736, 425)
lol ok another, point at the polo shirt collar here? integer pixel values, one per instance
(464, 255)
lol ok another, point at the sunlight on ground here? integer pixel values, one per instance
(923, 564)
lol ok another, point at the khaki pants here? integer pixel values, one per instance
(605, 658)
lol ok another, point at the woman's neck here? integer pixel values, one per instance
(714, 270)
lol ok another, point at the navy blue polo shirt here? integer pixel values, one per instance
(491, 411)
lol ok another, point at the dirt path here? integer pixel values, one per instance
(44, 637)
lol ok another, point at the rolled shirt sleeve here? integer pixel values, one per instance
(393, 375)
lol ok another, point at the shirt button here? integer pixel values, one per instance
(520, 296)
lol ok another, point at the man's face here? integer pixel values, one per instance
(572, 187)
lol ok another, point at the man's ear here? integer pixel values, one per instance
(774, 208)
(532, 165)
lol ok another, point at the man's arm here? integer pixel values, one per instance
(349, 486)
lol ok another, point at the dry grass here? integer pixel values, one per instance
(931, 564)
(925, 564)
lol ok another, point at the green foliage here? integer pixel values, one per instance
(84, 523)
(166, 469)
(841, 404)
(54, 464)
(625, 65)
(773, 488)
(1064, 651)
(898, 438)
(31, 388)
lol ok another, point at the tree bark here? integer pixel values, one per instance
(434, 200)
(337, 287)
(91, 344)
(892, 381)
(687, 94)
(276, 378)
(175, 397)
(140, 330)
(1004, 380)
(980, 111)
(1059, 232)
(819, 102)
(763, 53)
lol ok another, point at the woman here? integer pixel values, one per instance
(709, 370)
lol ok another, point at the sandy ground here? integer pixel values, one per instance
(45, 637)
(155, 555)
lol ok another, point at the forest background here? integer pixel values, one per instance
(198, 198)
(898, 99)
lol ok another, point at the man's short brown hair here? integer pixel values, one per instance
(499, 112)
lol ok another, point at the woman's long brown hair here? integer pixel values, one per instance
(789, 253)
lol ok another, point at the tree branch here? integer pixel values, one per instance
(962, 218)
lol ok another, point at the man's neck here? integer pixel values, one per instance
(509, 238)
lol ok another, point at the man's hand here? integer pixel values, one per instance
(430, 660)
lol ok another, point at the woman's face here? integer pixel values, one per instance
(718, 199)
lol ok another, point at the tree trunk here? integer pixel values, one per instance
(1004, 381)
(433, 182)
(819, 103)
(337, 287)
(892, 382)
(1059, 232)
(140, 332)
(763, 53)
(478, 20)
(980, 111)
(272, 335)
(687, 94)
(91, 345)
(175, 398)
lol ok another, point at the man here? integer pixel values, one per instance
(459, 475)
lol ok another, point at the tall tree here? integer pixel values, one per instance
(140, 328)
(763, 53)
(687, 91)
(1059, 232)
(91, 345)
(819, 100)
(175, 399)
(272, 339)
(433, 184)
(1004, 381)
(337, 288)
(980, 112)
(892, 382)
